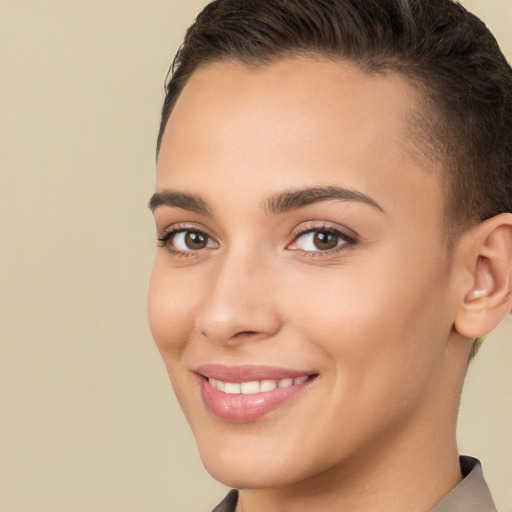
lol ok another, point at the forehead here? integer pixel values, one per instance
(314, 91)
(293, 122)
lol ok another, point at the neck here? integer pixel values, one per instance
(408, 476)
(409, 468)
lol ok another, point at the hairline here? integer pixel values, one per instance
(422, 120)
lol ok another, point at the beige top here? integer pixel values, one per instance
(471, 495)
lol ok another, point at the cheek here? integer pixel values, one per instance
(372, 322)
(171, 313)
(170, 310)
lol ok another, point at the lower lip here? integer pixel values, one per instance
(244, 408)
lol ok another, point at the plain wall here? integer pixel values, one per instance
(87, 417)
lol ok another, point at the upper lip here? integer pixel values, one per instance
(247, 373)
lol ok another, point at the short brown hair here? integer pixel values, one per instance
(437, 45)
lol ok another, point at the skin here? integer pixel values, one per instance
(373, 319)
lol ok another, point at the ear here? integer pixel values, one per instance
(486, 296)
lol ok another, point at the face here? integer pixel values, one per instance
(301, 293)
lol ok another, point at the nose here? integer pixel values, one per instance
(240, 303)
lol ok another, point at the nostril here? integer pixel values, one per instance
(245, 333)
(240, 334)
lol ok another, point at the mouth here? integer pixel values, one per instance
(255, 386)
(247, 393)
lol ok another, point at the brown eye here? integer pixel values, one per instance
(187, 241)
(325, 240)
(195, 240)
(320, 240)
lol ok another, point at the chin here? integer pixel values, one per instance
(250, 473)
(249, 461)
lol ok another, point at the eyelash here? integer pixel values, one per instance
(167, 236)
(348, 240)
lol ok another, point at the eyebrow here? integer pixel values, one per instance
(279, 203)
(181, 200)
(296, 199)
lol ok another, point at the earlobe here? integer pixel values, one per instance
(475, 294)
(488, 297)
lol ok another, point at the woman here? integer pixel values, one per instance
(333, 211)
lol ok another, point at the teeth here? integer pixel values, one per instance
(268, 385)
(255, 386)
(232, 388)
(285, 383)
(249, 388)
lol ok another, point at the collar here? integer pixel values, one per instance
(470, 495)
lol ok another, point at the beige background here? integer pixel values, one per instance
(87, 420)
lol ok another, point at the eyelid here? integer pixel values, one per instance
(182, 226)
(315, 226)
(169, 232)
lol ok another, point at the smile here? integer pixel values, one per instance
(255, 386)
(247, 393)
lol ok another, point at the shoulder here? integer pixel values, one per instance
(228, 504)
(472, 494)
